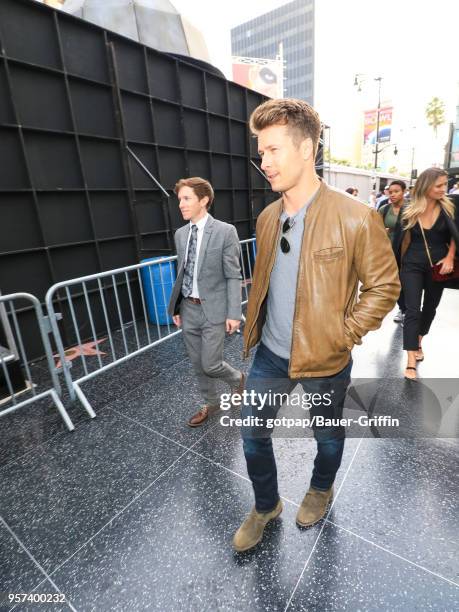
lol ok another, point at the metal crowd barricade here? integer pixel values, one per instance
(17, 351)
(84, 305)
(248, 255)
(109, 306)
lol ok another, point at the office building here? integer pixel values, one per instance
(293, 26)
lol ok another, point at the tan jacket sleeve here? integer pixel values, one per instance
(377, 272)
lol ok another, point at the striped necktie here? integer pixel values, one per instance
(187, 285)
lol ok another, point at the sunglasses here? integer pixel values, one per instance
(286, 227)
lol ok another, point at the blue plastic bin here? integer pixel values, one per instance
(157, 286)
(254, 251)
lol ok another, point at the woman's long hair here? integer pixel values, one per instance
(418, 201)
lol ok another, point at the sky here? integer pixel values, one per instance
(215, 20)
(411, 44)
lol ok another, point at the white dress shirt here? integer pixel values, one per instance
(200, 225)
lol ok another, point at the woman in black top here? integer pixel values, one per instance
(430, 208)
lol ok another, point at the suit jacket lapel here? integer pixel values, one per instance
(182, 239)
(205, 240)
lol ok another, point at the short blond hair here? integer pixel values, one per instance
(200, 186)
(299, 116)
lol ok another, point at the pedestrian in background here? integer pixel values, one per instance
(383, 198)
(372, 199)
(353, 191)
(427, 230)
(390, 213)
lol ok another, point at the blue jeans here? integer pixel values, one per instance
(269, 373)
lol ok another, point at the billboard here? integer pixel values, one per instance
(454, 163)
(262, 75)
(385, 125)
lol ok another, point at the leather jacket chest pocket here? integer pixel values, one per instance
(325, 256)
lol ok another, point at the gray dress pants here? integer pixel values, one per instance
(204, 344)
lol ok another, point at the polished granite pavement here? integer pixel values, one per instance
(136, 511)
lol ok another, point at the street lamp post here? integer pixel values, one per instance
(409, 136)
(379, 79)
(412, 154)
(359, 78)
(412, 166)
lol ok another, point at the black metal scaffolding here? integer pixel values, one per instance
(74, 99)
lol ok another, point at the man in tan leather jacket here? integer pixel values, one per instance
(314, 246)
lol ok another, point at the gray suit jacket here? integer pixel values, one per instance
(219, 271)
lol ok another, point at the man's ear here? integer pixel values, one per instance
(307, 149)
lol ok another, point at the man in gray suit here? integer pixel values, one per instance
(206, 297)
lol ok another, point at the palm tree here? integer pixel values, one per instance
(435, 113)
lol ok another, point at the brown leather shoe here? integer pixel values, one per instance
(202, 415)
(313, 506)
(239, 389)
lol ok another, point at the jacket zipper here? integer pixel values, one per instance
(300, 267)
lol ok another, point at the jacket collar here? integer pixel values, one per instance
(278, 205)
(201, 223)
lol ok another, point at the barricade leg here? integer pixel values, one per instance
(82, 397)
(62, 410)
(20, 354)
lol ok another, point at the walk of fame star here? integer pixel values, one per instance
(88, 349)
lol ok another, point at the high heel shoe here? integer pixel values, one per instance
(410, 377)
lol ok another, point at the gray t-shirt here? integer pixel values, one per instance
(277, 330)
